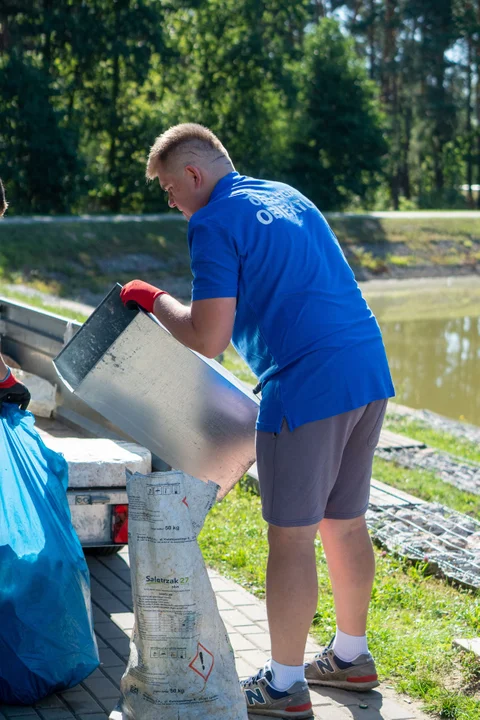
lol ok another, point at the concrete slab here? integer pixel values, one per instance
(471, 644)
(392, 441)
(43, 393)
(383, 495)
(99, 462)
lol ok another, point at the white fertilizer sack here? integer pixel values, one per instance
(181, 664)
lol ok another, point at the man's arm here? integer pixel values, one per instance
(3, 369)
(206, 326)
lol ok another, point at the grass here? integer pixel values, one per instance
(417, 233)
(382, 245)
(64, 257)
(68, 258)
(38, 302)
(426, 485)
(413, 617)
(233, 362)
(418, 430)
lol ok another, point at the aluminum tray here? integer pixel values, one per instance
(186, 409)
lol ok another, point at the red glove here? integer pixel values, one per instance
(138, 293)
(12, 391)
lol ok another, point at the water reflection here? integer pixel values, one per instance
(435, 364)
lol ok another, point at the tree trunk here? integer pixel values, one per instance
(4, 34)
(407, 136)
(47, 47)
(371, 39)
(389, 52)
(477, 94)
(389, 89)
(356, 10)
(440, 131)
(114, 124)
(319, 10)
(469, 123)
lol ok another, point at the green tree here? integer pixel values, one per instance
(110, 64)
(340, 144)
(39, 159)
(237, 72)
(438, 33)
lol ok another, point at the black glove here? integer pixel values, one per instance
(12, 391)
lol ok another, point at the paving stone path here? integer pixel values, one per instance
(246, 621)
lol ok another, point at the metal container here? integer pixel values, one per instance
(186, 409)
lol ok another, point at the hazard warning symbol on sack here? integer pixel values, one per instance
(203, 662)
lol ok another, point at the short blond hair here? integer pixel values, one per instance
(3, 201)
(189, 139)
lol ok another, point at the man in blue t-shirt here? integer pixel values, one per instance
(269, 274)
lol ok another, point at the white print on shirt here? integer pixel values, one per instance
(280, 204)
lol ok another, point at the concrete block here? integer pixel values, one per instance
(245, 668)
(255, 613)
(124, 620)
(234, 618)
(102, 688)
(99, 615)
(115, 673)
(120, 645)
(52, 701)
(250, 630)
(57, 714)
(261, 640)
(472, 645)
(100, 462)
(126, 597)
(241, 643)
(257, 658)
(263, 624)
(81, 702)
(110, 659)
(222, 604)
(393, 710)
(109, 630)
(236, 597)
(43, 401)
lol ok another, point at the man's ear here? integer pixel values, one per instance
(195, 174)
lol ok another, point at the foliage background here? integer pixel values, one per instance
(365, 103)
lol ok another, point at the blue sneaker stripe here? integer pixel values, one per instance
(341, 663)
(276, 694)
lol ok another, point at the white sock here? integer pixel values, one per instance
(349, 647)
(284, 676)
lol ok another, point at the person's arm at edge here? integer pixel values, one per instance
(3, 369)
(206, 326)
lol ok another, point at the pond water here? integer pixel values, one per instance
(431, 330)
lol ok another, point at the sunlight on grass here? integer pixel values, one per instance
(233, 362)
(39, 303)
(413, 617)
(418, 430)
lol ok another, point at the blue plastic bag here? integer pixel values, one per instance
(47, 642)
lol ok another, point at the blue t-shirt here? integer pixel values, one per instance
(301, 322)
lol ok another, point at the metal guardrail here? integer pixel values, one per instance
(33, 338)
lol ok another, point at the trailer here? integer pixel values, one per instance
(192, 415)
(33, 337)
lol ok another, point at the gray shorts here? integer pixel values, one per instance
(320, 470)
